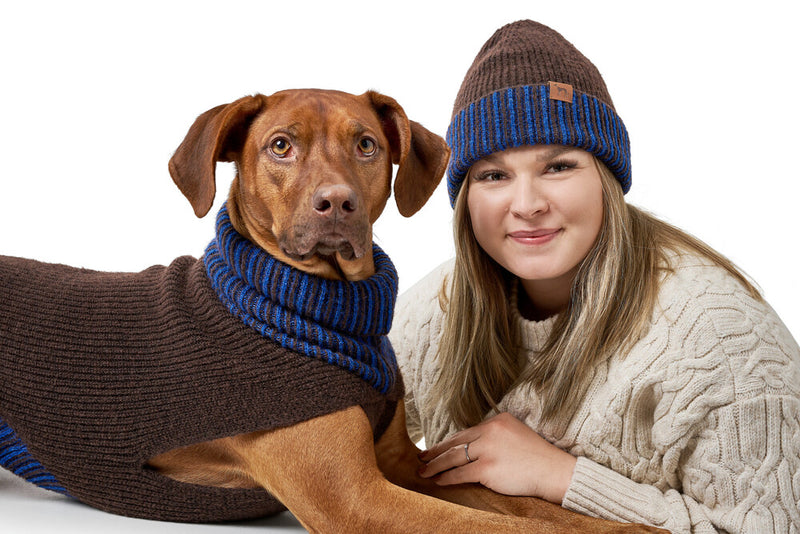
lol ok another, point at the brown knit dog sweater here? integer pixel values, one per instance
(100, 372)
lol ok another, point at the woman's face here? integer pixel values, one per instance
(537, 210)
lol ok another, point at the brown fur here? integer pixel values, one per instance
(314, 208)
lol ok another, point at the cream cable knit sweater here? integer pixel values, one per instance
(697, 429)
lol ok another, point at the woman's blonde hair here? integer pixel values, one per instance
(612, 298)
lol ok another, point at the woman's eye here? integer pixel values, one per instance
(280, 147)
(561, 166)
(367, 146)
(490, 176)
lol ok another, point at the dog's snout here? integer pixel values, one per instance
(334, 200)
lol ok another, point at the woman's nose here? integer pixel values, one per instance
(528, 199)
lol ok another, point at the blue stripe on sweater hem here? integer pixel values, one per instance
(586, 123)
(15, 457)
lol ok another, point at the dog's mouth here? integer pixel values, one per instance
(327, 245)
(328, 239)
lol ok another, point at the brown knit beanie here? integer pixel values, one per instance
(528, 85)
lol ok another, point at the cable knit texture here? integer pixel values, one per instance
(696, 429)
(100, 372)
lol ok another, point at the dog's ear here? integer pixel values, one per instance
(421, 155)
(216, 135)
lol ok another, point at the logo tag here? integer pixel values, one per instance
(561, 91)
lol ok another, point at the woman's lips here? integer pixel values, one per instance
(535, 237)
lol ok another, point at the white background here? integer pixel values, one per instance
(95, 97)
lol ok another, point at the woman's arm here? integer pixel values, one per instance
(740, 473)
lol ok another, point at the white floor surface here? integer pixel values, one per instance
(27, 509)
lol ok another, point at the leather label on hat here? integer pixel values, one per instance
(560, 91)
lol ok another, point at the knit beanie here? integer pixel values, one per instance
(527, 86)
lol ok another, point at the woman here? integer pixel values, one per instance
(577, 348)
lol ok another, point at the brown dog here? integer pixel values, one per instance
(313, 174)
(306, 191)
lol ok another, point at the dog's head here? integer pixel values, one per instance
(313, 174)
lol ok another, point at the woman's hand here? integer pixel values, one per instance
(505, 455)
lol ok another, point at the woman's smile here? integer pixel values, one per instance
(534, 237)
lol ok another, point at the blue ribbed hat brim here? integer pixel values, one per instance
(527, 115)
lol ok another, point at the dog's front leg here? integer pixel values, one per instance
(325, 472)
(397, 459)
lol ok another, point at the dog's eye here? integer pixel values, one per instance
(367, 146)
(280, 147)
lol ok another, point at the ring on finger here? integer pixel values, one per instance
(466, 453)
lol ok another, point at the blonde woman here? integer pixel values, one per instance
(577, 348)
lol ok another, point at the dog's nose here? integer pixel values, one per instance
(334, 200)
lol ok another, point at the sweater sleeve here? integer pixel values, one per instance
(741, 473)
(724, 424)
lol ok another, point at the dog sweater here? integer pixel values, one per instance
(99, 372)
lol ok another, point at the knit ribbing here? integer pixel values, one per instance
(99, 372)
(341, 323)
(505, 102)
(527, 116)
(528, 53)
(15, 457)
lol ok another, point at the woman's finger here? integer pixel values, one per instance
(453, 457)
(459, 438)
(466, 474)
